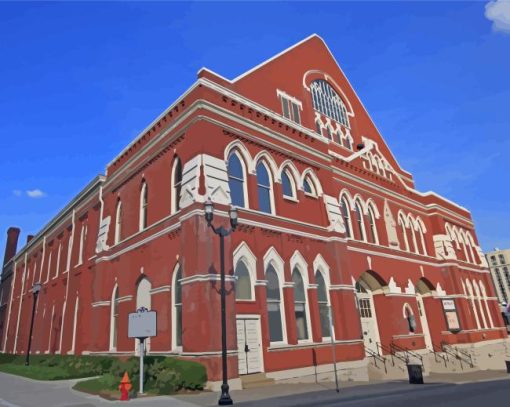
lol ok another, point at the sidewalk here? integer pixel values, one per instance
(311, 391)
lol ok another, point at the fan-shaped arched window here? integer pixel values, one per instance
(359, 219)
(243, 282)
(288, 185)
(176, 184)
(236, 180)
(328, 102)
(264, 188)
(274, 309)
(322, 297)
(143, 205)
(300, 305)
(308, 186)
(346, 214)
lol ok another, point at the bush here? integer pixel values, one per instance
(193, 375)
(6, 358)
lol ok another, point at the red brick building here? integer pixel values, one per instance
(327, 218)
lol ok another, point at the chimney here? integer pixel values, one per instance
(12, 243)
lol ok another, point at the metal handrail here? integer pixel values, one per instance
(377, 357)
(446, 349)
(408, 353)
(393, 354)
(460, 354)
(439, 353)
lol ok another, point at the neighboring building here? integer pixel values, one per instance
(499, 265)
(327, 218)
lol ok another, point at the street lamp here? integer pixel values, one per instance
(225, 399)
(35, 290)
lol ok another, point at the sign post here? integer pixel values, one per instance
(331, 334)
(142, 325)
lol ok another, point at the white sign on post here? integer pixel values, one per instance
(142, 325)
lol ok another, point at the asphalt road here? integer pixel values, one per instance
(480, 394)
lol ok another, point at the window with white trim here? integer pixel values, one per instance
(118, 222)
(300, 306)
(346, 214)
(243, 289)
(274, 309)
(176, 184)
(290, 107)
(143, 206)
(328, 102)
(236, 180)
(288, 184)
(322, 299)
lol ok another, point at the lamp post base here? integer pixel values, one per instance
(225, 399)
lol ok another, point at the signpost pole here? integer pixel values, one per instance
(331, 334)
(141, 363)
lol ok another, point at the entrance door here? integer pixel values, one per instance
(368, 322)
(424, 322)
(249, 345)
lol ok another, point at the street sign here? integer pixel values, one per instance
(142, 324)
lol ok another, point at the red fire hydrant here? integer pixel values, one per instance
(124, 387)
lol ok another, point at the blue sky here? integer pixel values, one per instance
(78, 81)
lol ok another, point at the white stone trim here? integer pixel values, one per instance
(100, 304)
(161, 289)
(206, 277)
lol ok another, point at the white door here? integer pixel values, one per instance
(368, 321)
(424, 322)
(249, 346)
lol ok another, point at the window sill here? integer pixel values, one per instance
(308, 194)
(290, 198)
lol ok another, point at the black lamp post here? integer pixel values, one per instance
(225, 399)
(35, 290)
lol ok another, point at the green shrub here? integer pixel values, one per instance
(6, 358)
(98, 384)
(193, 375)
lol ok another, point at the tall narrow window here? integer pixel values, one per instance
(69, 248)
(274, 310)
(322, 297)
(288, 186)
(308, 186)
(373, 227)
(359, 219)
(243, 282)
(178, 307)
(57, 266)
(49, 268)
(236, 180)
(300, 305)
(118, 222)
(346, 214)
(264, 188)
(114, 317)
(143, 205)
(176, 184)
(402, 224)
(83, 235)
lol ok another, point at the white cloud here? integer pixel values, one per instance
(17, 192)
(498, 11)
(35, 193)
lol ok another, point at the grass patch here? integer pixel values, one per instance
(163, 375)
(36, 372)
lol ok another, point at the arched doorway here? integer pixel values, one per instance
(365, 287)
(424, 288)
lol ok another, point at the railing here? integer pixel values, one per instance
(436, 351)
(450, 352)
(377, 357)
(391, 353)
(408, 353)
(460, 354)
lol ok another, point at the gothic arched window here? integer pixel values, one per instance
(328, 102)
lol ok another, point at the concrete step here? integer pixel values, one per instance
(254, 380)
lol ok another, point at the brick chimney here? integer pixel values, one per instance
(12, 243)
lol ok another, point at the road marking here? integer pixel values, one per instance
(7, 404)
